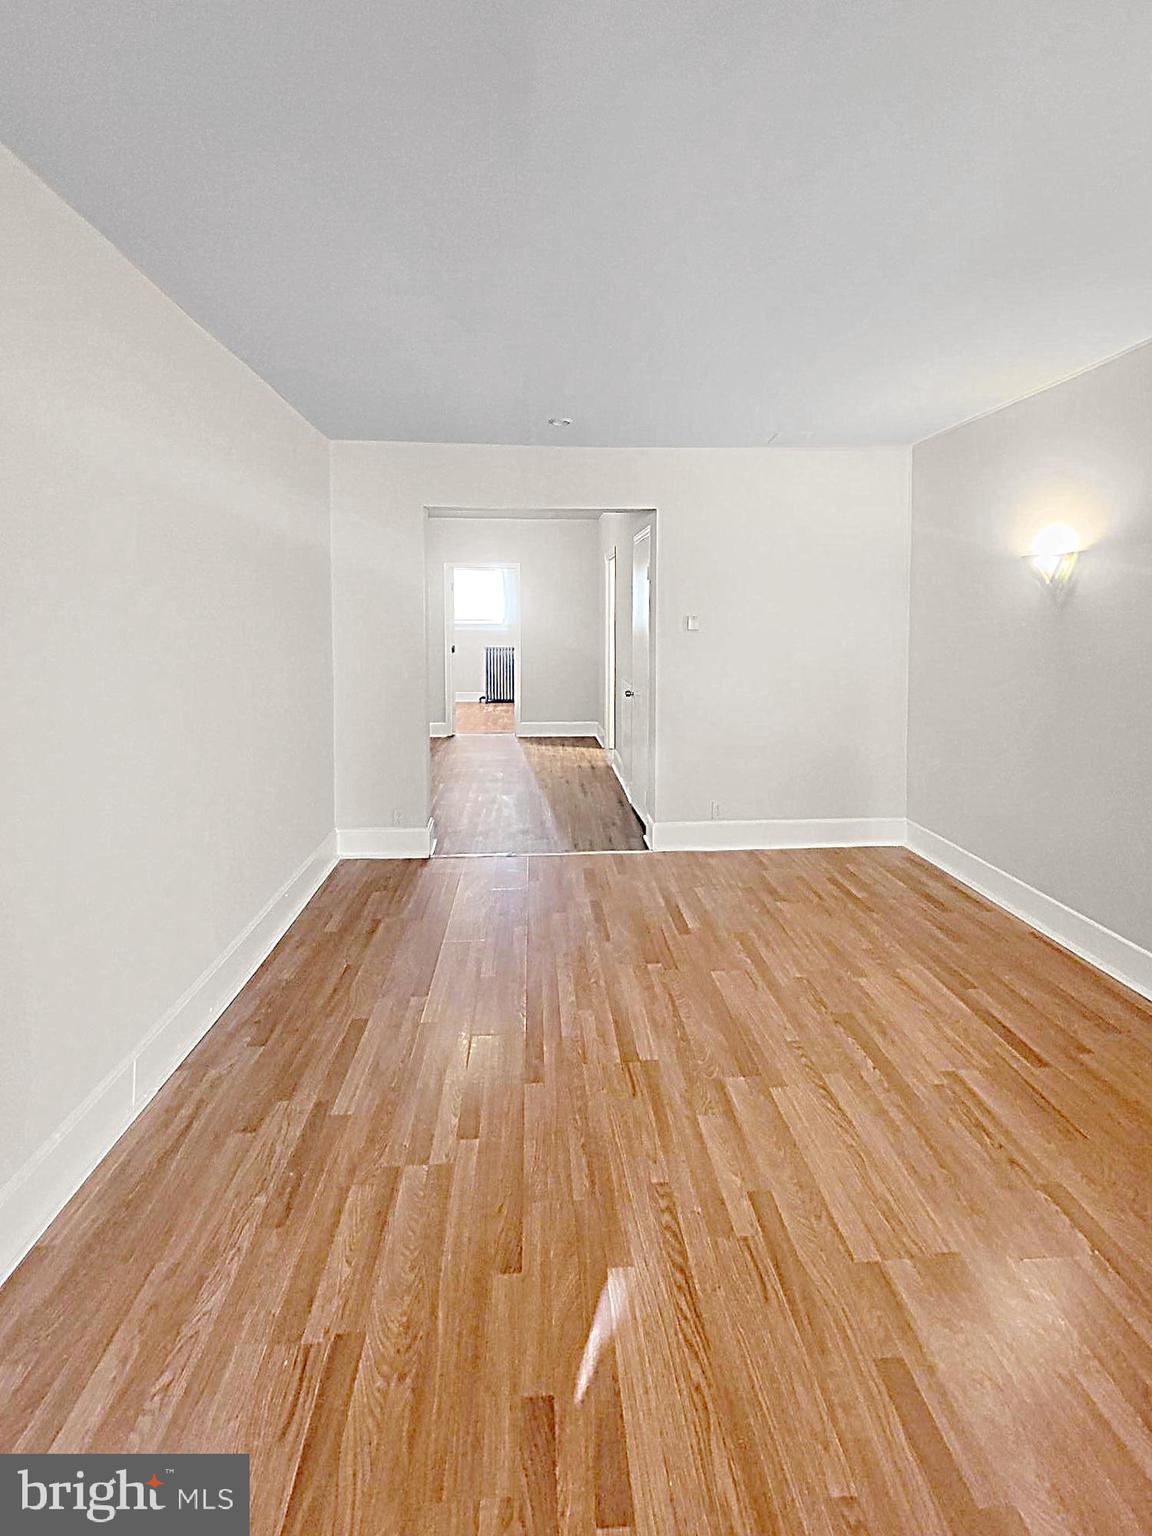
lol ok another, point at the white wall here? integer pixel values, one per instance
(560, 639)
(790, 701)
(165, 666)
(1030, 729)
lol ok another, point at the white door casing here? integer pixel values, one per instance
(639, 765)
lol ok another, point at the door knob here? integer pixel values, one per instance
(628, 694)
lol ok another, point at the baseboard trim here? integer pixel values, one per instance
(385, 842)
(717, 836)
(469, 698)
(558, 728)
(439, 728)
(1110, 952)
(615, 765)
(40, 1189)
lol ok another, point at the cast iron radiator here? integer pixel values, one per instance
(499, 674)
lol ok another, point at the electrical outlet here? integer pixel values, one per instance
(715, 810)
(397, 818)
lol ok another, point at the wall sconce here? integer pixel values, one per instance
(1053, 556)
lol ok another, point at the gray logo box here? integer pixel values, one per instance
(63, 1495)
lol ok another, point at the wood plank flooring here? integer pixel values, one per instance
(503, 794)
(697, 1193)
(485, 719)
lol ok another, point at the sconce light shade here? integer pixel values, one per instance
(1053, 556)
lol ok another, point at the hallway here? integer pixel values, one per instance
(504, 794)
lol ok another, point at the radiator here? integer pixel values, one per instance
(499, 674)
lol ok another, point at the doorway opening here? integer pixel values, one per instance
(538, 674)
(482, 648)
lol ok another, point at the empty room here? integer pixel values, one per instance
(576, 662)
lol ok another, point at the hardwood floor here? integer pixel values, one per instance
(503, 794)
(485, 719)
(729, 1193)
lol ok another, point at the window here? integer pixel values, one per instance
(480, 596)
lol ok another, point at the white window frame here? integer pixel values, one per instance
(509, 597)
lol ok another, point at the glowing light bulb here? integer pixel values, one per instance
(1054, 553)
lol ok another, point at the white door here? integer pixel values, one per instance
(610, 651)
(639, 767)
(450, 648)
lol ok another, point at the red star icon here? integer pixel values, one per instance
(154, 1482)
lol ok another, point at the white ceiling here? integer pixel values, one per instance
(842, 221)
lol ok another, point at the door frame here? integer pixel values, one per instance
(646, 791)
(450, 568)
(609, 742)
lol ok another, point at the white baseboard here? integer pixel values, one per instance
(557, 728)
(704, 836)
(439, 728)
(38, 1191)
(468, 698)
(1108, 951)
(615, 764)
(385, 842)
